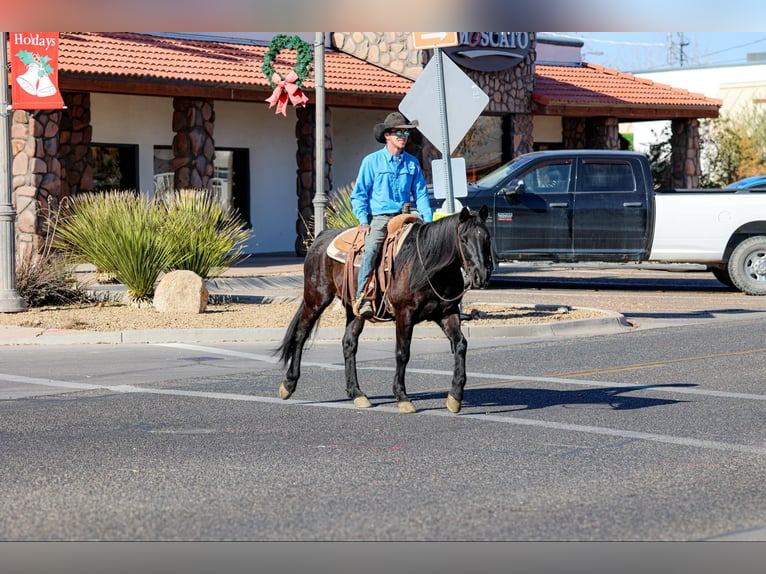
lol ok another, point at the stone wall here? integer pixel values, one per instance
(390, 50)
(509, 91)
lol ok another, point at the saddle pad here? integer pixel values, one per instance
(339, 247)
(346, 240)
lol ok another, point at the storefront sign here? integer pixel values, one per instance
(34, 71)
(489, 51)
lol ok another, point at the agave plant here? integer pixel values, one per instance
(338, 213)
(117, 232)
(204, 236)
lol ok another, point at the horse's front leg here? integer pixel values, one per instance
(404, 328)
(450, 324)
(354, 327)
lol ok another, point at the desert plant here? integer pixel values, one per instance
(46, 279)
(338, 212)
(117, 232)
(204, 236)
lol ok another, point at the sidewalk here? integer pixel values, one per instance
(266, 279)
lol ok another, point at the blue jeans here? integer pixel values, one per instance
(372, 244)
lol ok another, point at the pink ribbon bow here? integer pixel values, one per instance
(286, 90)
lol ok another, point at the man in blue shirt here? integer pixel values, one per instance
(388, 178)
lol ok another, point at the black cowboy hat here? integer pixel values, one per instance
(393, 121)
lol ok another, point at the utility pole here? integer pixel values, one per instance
(681, 46)
(10, 301)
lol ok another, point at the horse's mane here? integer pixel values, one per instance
(435, 243)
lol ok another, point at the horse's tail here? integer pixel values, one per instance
(289, 345)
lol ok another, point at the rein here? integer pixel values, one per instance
(463, 263)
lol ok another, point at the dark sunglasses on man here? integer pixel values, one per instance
(400, 133)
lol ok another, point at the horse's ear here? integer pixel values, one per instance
(465, 213)
(484, 212)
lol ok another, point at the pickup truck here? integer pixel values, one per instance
(601, 206)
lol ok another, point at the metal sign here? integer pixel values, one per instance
(465, 102)
(459, 178)
(428, 40)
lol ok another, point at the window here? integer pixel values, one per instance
(607, 176)
(230, 182)
(115, 167)
(548, 178)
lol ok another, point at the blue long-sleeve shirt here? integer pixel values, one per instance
(386, 182)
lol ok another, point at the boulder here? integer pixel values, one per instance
(181, 292)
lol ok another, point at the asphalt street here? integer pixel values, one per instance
(651, 433)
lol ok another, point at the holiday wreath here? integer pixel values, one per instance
(287, 88)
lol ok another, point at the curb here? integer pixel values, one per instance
(611, 323)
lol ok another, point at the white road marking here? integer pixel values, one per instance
(654, 437)
(668, 388)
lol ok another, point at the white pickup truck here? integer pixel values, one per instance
(597, 205)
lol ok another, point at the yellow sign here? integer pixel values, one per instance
(428, 40)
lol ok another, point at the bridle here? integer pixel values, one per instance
(463, 263)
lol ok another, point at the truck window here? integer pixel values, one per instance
(548, 178)
(614, 176)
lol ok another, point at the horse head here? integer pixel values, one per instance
(476, 246)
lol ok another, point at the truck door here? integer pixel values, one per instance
(610, 212)
(533, 213)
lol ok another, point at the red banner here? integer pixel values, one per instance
(34, 71)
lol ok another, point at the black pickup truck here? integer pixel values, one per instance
(601, 206)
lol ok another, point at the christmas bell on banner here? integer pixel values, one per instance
(30, 79)
(45, 87)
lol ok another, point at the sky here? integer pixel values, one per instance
(650, 51)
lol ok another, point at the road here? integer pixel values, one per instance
(653, 434)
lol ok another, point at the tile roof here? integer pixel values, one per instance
(595, 86)
(237, 64)
(130, 55)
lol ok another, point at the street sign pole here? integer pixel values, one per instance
(449, 202)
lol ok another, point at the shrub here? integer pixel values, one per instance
(137, 239)
(46, 279)
(338, 212)
(203, 235)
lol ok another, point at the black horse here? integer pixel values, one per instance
(437, 262)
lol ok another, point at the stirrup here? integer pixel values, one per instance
(363, 308)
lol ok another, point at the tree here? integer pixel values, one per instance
(733, 147)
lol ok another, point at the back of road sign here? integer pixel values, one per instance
(465, 102)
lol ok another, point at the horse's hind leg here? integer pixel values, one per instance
(354, 328)
(298, 332)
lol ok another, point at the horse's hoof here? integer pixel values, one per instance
(405, 407)
(453, 405)
(283, 392)
(362, 402)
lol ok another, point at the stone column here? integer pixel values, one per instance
(602, 133)
(193, 144)
(522, 141)
(36, 176)
(573, 133)
(75, 138)
(305, 134)
(685, 153)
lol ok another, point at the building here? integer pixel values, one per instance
(740, 88)
(151, 111)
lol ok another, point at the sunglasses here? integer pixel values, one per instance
(400, 133)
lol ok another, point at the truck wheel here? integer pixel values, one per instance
(747, 266)
(722, 274)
